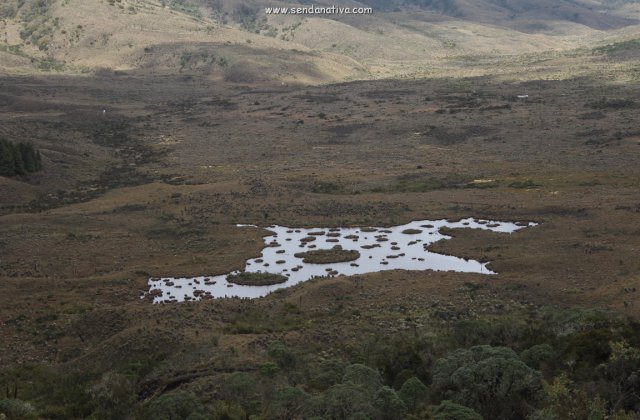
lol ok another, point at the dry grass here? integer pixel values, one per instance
(155, 186)
(145, 38)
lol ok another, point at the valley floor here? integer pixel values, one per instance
(148, 176)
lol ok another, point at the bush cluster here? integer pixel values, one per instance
(18, 159)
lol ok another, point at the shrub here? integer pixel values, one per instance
(278, 352)
(389, 404)
(413, 392)
(565, 402)
(347, 401)
(14, 408)
(363, 376)
(242, 389)
(114, 395)
(327, 373)
(536, 355)
(492, 380)
(18, 159)
(177, 405)
(448, 410)
(289, 403)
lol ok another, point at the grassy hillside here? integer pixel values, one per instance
(236, 42)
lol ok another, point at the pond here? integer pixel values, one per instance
(291, 255)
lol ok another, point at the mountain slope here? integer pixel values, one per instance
(525, 15)
(233, 40)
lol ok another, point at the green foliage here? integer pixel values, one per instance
(8, 10)
(393, 354)
(536, 355)
(38, 25)
(587, 349)
(327, 373)
(565, 402)
(492, 380)
(242, 389)
(186, 6)
(347, 401)
(14, 408)
(228, 411)
(622, 369)
(389, 405)
(53, 394)
(247, 16)
(437, 371)
(413, 392)
(449, 410)
(279, 353)
(177, 405)
(288, 403)
(269, 369)
(18, 159)
(360, 395)
(473, 332)
(362, 376)
(114, 395)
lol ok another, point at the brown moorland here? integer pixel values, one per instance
(146, 174)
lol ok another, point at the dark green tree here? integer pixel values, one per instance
(177, 405)
(114, 396)
(242, 389)
(7, 159)
(413, 392)
(289, 403)
(536, 355)
(389, 404)
(326, 373)
(28, 155)
(347, 401)
(18, 162)
(363, 376)
(448, 410)
(19, 159)
(491, 380)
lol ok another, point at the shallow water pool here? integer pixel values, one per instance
(399, 247)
